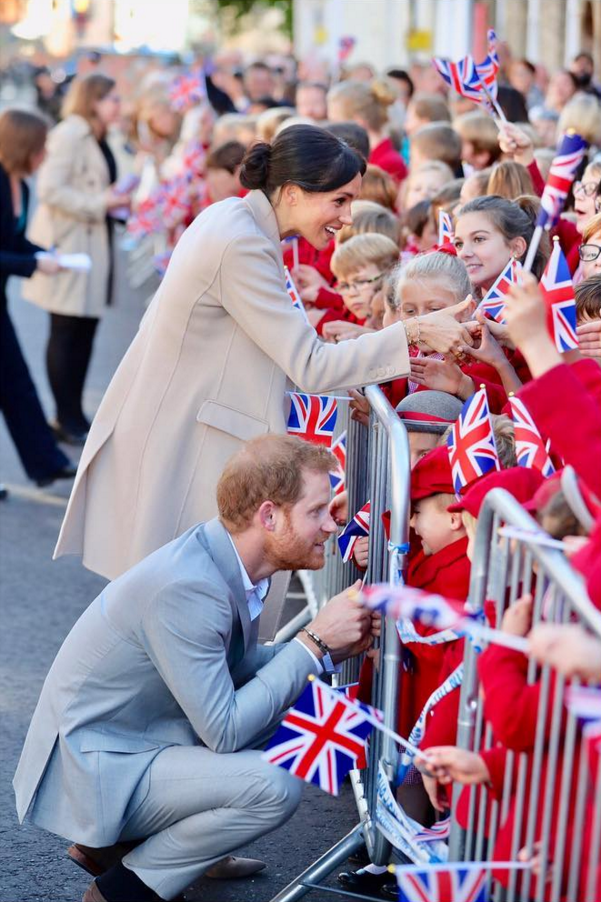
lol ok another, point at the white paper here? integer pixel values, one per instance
(78, 262)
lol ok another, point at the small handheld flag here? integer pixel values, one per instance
(462, 77)
(337, 477)
(321, 738)
(187, 90)
(358, 527)
(445, 228)
(346, 45)
(558, 292)
(570, 151)
(312, 417)
(493, 304)
(529, 447)
(293, 293)
(458, 884)
(471, 442)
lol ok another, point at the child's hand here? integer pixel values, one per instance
(499, 331)
(568, 648)
(361, 552)
(435, 793)
(490, 350)
(359, 407)
(589, 335)
(525, 312)
(517, 619)
(339, 330)
(308, 281)
(447, 763)
(440, 375)
(339, 508)
(516, 143)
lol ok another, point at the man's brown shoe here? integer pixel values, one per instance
(98, 861)
(232, 868)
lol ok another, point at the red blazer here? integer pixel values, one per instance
(565, 405)
(389, 159)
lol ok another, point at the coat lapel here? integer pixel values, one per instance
(223, 554)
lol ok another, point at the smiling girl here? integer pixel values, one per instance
(489, 231)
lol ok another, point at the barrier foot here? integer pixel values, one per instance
(322, 868)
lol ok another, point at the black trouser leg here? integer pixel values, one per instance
(22, 410)
(67, 359)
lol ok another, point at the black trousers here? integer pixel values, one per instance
(19, 402)
(68, 356)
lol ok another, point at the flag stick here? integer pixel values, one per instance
(334, 397)
(497, 637)
(533, 247)
(370, 718)
(295, 253)
(494, 102)
(460, 865)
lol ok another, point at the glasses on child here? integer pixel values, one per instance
(357, 285)
(589, 252)
(589, 189)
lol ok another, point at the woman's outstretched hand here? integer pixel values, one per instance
(444, 331)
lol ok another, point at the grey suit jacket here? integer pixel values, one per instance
(166, 655)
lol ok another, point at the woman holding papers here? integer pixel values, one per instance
(219, 346)
(22, 140)
(76, 190)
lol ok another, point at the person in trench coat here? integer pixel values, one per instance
(218, 348)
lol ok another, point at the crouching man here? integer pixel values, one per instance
(147, 731)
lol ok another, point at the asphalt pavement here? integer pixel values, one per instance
(41, 599)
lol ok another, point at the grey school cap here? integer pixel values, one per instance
(429, 411)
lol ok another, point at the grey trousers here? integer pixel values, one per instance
(200, 806)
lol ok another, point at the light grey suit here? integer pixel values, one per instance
(162, 677)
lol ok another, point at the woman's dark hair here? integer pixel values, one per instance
(513, 218)
(307, 156)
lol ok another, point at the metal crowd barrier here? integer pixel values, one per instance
(502, 570)
(377, 469)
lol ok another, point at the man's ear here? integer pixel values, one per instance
(267, 515)
(456, 521)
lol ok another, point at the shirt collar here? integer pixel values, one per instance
(261, 588)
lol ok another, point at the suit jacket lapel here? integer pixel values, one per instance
(223, 554)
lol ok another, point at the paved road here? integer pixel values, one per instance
(40, 601)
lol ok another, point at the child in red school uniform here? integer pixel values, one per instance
(359, 265)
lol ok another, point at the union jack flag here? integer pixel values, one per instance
(530, 449)
(453, 885)
(351, 691)
(463, 78)
(175, 201)
(346, 45)
(337, 478)
(312, 418)
(570, 151)
(187, 90)
(293, 293)
(147, 217)
(358, 527)
(439, 830)
(472, 449)
(321, 738)
(193, 161)
(488, 68)
(413, 604)
(493, 304)
(445, 228)
(558, 292)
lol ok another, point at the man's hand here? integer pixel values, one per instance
(344, 625)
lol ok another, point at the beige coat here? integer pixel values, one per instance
(71, 217)
(209, 368)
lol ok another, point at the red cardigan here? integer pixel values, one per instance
(389, 159)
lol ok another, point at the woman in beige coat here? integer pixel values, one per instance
(75, 195)
(216, 351)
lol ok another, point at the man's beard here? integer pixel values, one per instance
(290, 552)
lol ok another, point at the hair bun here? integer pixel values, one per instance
(382, 91)
(254, 171)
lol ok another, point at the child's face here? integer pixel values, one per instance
(422, 186)
(425, 295)
(471, 538)
(483, 248)
(592, 267)
(420, 443)
(358, 288)
(585, 198)
(435, 526)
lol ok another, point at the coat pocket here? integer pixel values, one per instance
(99, 741)
(232, 421)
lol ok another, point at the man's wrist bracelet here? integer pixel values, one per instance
(318, 642)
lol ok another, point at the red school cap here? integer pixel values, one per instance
(432, 475)
(520, 482)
